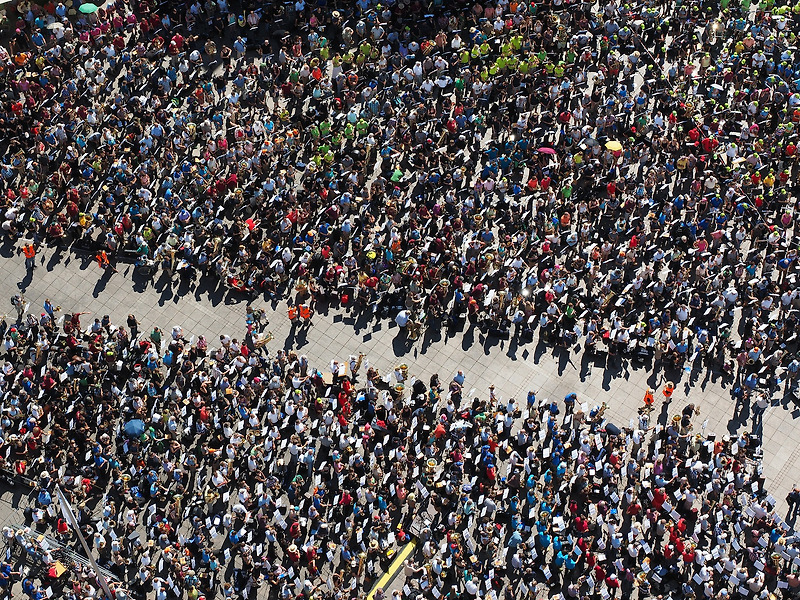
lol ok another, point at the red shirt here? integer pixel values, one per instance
(634, 509)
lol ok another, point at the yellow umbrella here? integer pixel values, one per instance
(614, 146)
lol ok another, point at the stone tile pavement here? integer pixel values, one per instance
(75, 282)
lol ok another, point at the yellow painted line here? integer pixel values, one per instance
(393, 568)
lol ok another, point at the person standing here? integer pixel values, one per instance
(793, 500)
(133, 325)
(29, 250)
(103, 262)
(18, 301)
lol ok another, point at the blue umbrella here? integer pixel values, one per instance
(134, 428)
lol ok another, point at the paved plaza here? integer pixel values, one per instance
(74, 282)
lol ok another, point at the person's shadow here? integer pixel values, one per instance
(468, 337)
(791, 514)
(663, 416)
(55, 258)
(102, 282)
(290, 339)
(26, 281)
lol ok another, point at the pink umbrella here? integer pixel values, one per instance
(545, 150)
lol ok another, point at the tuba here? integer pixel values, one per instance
(211, 496)
(357, 366)
(600, 411)
(264, 340)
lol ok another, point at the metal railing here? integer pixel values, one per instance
(35, 539)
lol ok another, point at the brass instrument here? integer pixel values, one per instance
(266, 339)
(362, 558)
(608, 299)
(600, 411)
(357, 366)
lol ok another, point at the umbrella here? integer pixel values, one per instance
(88, 8)
(614, 146)
(134, 428)
(53, 25)
(546, 150)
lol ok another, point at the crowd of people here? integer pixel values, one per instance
(199, 470)
(618, 176)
